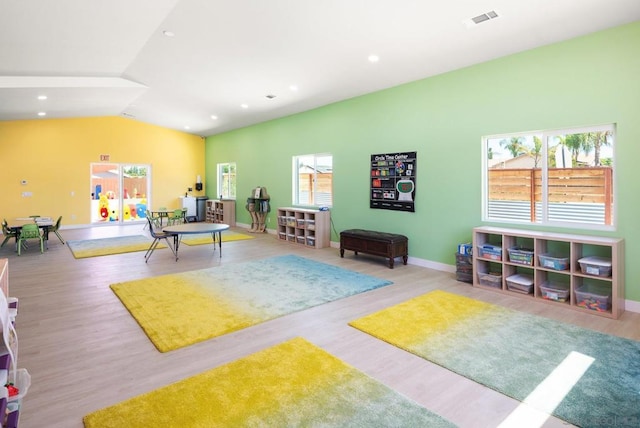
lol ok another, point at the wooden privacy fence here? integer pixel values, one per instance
(565, 185)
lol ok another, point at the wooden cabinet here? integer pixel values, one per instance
(221, 211)
(304, 226)
(559, 267)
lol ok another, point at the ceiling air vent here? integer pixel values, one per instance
(484, 17)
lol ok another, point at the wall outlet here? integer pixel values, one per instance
(27, 194)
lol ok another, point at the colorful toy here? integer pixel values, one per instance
(103, 207)
(12, 390)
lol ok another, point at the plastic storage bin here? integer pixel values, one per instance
(594, 265)
(490, 279)
(555, 291)
(594, 297)
(555, 262)
(464, 277)
(520, 283)
(521, 256)
(488, 251)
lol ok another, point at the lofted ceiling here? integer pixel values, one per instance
(191, 65)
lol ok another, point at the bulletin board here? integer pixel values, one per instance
(393, 181)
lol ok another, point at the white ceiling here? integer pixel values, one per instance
(110, 57)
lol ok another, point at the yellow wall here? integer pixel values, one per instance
(55, 155)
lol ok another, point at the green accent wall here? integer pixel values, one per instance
(585, 81)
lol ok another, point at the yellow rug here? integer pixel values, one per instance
(106, 246)
(207, 239)
(231, 297)
(291, 384)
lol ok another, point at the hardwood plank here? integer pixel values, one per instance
(84, 351)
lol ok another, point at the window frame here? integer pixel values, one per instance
(546, 136)
(296, 200)
(220, 180)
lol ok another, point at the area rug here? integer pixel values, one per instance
(206, 238)
(181, 309)
(291, 384)
(107, 246)
(579, 375)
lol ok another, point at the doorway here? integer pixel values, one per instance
(119, 192)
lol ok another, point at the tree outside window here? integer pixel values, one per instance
(560, 177)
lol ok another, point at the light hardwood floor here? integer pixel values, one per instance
(85, 352)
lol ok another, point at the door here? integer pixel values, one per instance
(119, 192)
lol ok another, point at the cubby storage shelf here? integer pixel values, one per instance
(306, 227)
(558, 269)
(221, 211)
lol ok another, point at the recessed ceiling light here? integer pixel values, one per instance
(374, 58)
(168, 33)
(42, 113)
(42, 97)
(187, 127)
(244, 105)
(214, 117)
(293, 88)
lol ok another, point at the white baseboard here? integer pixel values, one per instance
(632, 306)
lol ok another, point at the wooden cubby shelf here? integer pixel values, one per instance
(221, 211)
(306, 227)
(557, 277)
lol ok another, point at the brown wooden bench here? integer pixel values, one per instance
(383, 244)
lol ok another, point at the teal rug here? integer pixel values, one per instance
(107, 246)
(584, 377)
(182, 309)
(293, 384)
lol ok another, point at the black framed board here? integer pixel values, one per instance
(393, 181)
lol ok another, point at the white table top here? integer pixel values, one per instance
(193, 228)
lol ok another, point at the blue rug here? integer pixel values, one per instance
(181, 309)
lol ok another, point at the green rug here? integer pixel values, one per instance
(107, 246)
(288, 385)
(206, 238)
(181, 309)
(581, 376)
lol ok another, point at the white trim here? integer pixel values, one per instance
(632, 306)
(432, 265)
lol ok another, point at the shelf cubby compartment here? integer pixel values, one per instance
(553, 286)
(553, 260)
